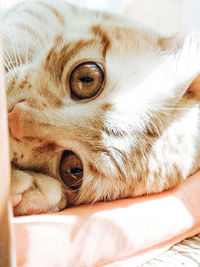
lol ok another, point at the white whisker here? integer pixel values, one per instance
(8, 58)
(26, 43)
(13, 46)
(17, 47)
(7, 65)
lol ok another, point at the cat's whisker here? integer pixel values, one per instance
(26, 45)
(8, 58)
(13, 47)
(7, 62)
(19, 61)
(7, 65)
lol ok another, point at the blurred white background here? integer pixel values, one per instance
(114, 5)
(164, 16)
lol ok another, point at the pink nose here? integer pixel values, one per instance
(14, 120)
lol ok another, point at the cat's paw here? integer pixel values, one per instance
(34, 193)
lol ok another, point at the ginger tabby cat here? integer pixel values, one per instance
(98, 107)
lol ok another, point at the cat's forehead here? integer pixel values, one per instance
(110, 32)
(120, 47)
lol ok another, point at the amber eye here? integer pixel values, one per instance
(71, 170)
(86, 80)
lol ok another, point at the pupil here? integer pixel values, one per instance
(75, 171)
(86, 79)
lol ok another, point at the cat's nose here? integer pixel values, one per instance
(14, 120)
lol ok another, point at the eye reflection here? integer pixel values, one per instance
(71, 170)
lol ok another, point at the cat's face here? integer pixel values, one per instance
(86, 110)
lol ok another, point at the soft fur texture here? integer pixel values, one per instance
(140, 135)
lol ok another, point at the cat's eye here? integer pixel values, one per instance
(86, 80)
(71, 170)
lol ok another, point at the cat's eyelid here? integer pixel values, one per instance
(98, 61)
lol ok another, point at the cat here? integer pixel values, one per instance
(98, 107)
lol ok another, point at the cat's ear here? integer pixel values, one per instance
(173, 43)
(190, 56)
(194, 87)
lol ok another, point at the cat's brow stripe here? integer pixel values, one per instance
(54, 63)
(105, 40)
(76, 47)
(56, 60)
(55, 12)
(48, 147)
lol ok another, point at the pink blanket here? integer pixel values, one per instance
(108, 232)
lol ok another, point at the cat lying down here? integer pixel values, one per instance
(98, 107)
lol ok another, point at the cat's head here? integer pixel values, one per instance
(90, 107)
